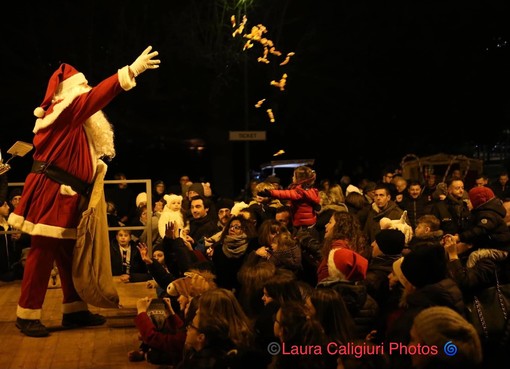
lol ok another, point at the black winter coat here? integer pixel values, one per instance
(488, 229)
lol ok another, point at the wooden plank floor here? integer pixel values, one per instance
(85, 348)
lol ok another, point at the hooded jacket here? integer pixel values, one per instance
(489, 229)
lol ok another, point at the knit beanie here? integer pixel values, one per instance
(480, 195)
(157, 311)
(425, 265)
(390, 241)
(197, 187)
(442, 326)
(224, 203)
(157, 247)
(15, 192)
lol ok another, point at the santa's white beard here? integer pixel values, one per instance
(100, 135)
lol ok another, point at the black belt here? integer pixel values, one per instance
(61, 176)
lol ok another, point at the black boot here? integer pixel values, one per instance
(82, 319)
(32, 327)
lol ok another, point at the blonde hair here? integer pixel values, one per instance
(261, 186)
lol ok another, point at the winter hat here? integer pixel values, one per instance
(480, 195)
(425, 265)
(224, 203)
(197, 187)
(65, 77)
(390, 241)
(352, 188)
(157, 247)
(170, 198)
(400, 224)
(347, 265)
(438, 325)
(141, 199)
(15, 192)
(157, 311)
(238, 206)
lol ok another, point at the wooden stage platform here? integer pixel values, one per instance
(105, 346)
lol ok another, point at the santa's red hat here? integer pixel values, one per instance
(347, 265)
(64, 78)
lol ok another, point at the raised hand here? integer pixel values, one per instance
(145, 61)
(144, 253)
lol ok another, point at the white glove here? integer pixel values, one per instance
(145, 61)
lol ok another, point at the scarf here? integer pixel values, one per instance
(235, 246)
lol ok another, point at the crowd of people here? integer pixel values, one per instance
(316, 275)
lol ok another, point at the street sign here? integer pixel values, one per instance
(247, 135)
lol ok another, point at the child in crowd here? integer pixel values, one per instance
(172, 212)
(159, 268)
(283, 251)
(303, 197)
(126, 260)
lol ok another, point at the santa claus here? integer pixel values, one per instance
(71, 136)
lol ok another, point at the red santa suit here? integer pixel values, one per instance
(67, 136)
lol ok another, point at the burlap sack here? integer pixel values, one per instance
(92, 271)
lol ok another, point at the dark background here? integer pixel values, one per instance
(371, 81)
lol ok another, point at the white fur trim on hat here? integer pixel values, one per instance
(48, 119)
(76, 79)
(333, 271)
(39, 112)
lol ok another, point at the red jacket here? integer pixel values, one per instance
(303, 203)
(43, 208)
(171, 343)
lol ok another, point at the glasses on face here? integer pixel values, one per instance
(235, 227)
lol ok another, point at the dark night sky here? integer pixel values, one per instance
(390, 78)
